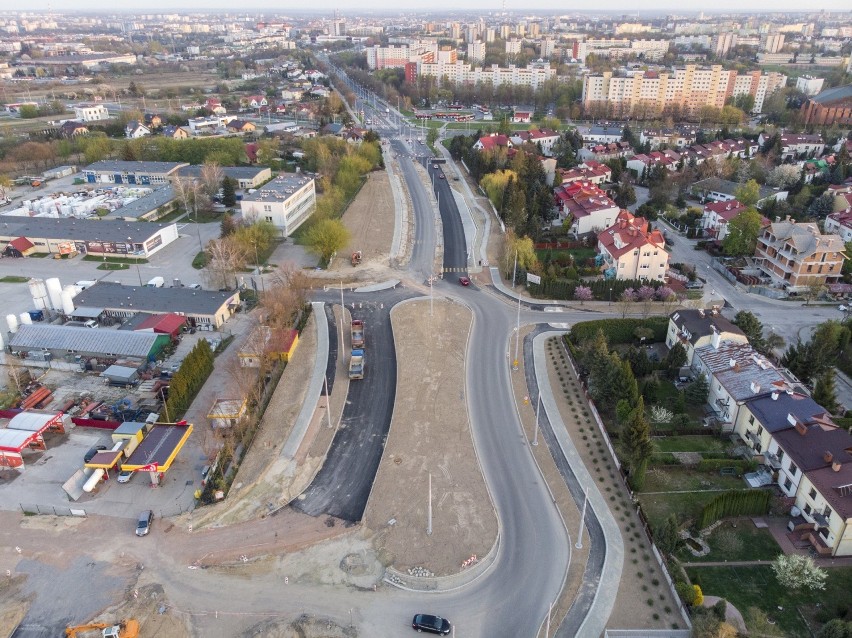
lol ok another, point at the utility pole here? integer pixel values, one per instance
(327, 402)
(342, 315)
(537, 410)
(579, 543)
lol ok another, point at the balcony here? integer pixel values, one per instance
(752, 438)
(772, 461)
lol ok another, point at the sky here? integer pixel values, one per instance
(383, 6)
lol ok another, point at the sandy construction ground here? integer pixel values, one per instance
(370, 221)
(430, 434)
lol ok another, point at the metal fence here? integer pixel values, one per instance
(51, 510)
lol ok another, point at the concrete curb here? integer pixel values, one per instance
(497, 282)
(384, 285)
(596, 619)
(303, 420)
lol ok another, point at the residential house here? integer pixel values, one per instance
(842, 195)
(640, 165)
(153, 121)
(736, 372)
(586, 206)
(241, 126)
(254, 101)
(544, 139)
(90, 112)
(672, 138)
(334, 128)
(714, 189)
(589, 171)
(355, 135)
(797, 145)
(73, 129)
(175, 132)
(320, 91)
(816, 469)
(493, 141)
(840, 223)
(594, 135)
(717, 215)
(134, 130)
(696, 328)
(522, 117)
(605, 152)
(215, 106)
(796, 256)
(814, 168)
(631, 250)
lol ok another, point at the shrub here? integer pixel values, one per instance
(735, 503)
(686, 593)
(699, 596)
(619, 331)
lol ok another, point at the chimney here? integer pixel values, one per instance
(755, 387)
(732, 363)
(835, 467)
(715, 339)
(774, 396)
(801, 428)
(777, 219)
(828, 457)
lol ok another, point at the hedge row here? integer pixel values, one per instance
(189, 379)
(619, 331)
(739, 503)
(602, 289)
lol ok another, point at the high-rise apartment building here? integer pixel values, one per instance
(688, 88)
(513, 47)
(722, 43)
(773, 42)
(476, 52)
(533, 76)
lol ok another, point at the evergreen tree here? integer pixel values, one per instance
(667, 538)
(227, 226)
(697, 391)
(825, 392)
(229, 192)
(636, 441)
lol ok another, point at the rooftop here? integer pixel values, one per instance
(235, 172)
(728, 187)
(78, 229)
(84, 340)
(120, 166)
(279, 188)
(808, 446)
(108, 295)
(772, 413)
(144, 205)
(832, 95)
(703, 323)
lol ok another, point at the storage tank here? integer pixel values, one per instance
(67, 304)
(54, 292)
(93, 480)
(38, 291)
(26, 320)
(12, 322)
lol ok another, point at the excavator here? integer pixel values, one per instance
(125, 629)
(356, 258)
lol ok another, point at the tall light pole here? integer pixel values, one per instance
(342, 315)
(579, 543)
(537, 410)
(517, 335)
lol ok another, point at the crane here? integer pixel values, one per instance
(125, 629)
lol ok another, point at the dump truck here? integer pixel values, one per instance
(356, 364)
(357, 333)
(356, 258)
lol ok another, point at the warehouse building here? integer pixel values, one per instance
(245, 176)
(40, 342)
(203, 308)
(121, 172)
(66, 235)
(151, 207)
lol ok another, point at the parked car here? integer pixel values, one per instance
(694, 285)
(92, 451)
(431, 624)
(143, 523)
(124, 476)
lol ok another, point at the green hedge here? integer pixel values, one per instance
(739, 503)
(189, 379)
(619, 331)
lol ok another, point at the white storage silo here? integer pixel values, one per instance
(68, 301)
(26, 320)
(38, 291)
(54, 292)
(12, 322)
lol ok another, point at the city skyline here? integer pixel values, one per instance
(353, 6)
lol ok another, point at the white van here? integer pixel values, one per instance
(156, 282)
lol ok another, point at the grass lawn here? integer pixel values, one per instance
(757, 587)
(658, 507)
(689, 443)
(205, 218)
(667, 395)
(14, 279)
(743, 542)
(116, 260)
(580, 254)
(680, 479)
(172, 217)
(111, 266)
(200, 260)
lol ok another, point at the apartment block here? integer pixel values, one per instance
(796, 256)
(459, 73)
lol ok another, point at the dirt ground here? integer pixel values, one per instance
(370, 221)
(430, 434)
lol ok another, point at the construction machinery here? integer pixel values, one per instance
(356, 258)
(125, 629)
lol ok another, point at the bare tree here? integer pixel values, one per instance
(225, 258)
(187, 189)
(211, 178)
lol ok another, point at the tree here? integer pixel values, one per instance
(5, 187)
(582, 294)
(697, 391)
(667, 537)
(327, 237)
(229, 192)
(638, 448)
(525, 249)
(784, 176)
(675, 358)
(211, 178)
(432, 136)
(742, 233)
(753, 329)
(625, 194)
(748, 194)
(825, 392)
(228, 226)
(225, 258)
(836, 628)
(797, 572)
(188, 191)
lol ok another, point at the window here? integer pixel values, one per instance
(812, 494)
(793, 469)
(759, 430)
(780, 455)
(807, 509)
(267, 208)
(788, 484)
(269, 218)
(827, 513)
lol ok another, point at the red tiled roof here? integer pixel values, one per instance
(726, 210)
(164, 324)
(21, 244)
(629, 233)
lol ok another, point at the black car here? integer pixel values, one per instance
(92, 451)
(431, 624)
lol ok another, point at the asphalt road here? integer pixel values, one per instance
(342, 486)
(421, 265)
(455, 248)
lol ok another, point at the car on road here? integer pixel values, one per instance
(431, 624)
(124, 476)
(441, 176)
(143, 523)
(92, 451)
(464, 281)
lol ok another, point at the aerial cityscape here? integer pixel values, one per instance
(353, 320)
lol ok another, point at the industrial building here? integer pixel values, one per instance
(121, 172)
(245, 176)
(67, 235)
(71, 344)
(286, 202)
(151, 207)
(204, 308)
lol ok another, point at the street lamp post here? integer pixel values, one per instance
(537, 410)
(610, 296)
(579, 543)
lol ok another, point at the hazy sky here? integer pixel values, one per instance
(514, 6)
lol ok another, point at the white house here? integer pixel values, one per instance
(840, 223)
(286, 202)
(134, 130)
(91, 112)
